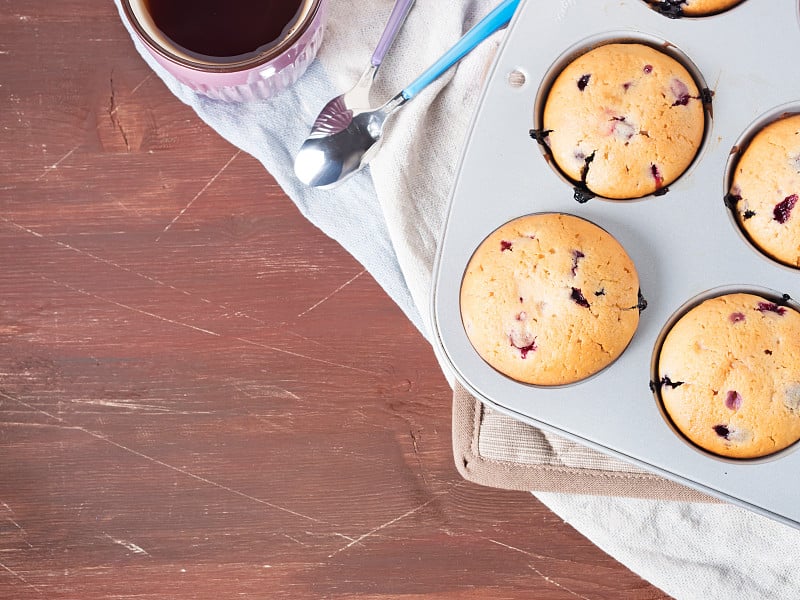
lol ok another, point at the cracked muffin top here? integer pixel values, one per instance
(624, 120)
(550, 299)
(730, 375)
(766, 188)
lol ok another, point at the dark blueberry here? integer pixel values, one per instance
(661, 191)
(642, 303)
(583, 81)
(736, 317)
(666, 381)
(648, 69)
(783, 209)
(722, 431)
(540, 135)
(626, 86)
(669, 8)
(770, 307)
(768, 352)
(733, 400)
(504, 245)
(582, 195)
(578, 297)
(585, 170)
(576, 256)
(600, 292)
(731, 200)
(706, 95)
(748, 214)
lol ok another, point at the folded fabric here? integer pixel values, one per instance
(389, 218)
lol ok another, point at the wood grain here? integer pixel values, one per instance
(201, 395)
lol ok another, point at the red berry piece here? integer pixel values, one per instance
(736, 317)
(523, 350)
(504, 245)
(733, 400)
(764, 307)
(783, 209)
(656, 173)
(681, 92)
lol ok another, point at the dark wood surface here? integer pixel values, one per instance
(201, 395)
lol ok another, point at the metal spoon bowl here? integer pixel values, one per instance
(327, 158)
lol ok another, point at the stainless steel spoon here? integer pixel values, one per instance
(338, 112)
(326, 159)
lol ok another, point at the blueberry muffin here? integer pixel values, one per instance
(550, 299)
(691, 8)
(729, 375)
(765, 189)
(624, 120)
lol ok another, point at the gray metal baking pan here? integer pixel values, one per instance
(684, 243)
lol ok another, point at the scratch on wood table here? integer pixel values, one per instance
(154, 460)
(115, 265)
(333, 293)
(198, 194)
(58, 162)
(135, 548)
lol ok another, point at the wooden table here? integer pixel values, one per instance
(201, 395)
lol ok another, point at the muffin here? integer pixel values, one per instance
(550, 299)
(765, 189)
(729, 375)
(691, 8)
(624, 120)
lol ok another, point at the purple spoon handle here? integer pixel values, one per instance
(396, 19)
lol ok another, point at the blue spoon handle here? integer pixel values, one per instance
(499, 17)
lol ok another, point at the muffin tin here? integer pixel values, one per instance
(685, 244)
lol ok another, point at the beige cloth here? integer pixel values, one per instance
(495, 450)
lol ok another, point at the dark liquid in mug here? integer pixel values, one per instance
(224, 28)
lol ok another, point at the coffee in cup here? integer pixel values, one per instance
(230, 49)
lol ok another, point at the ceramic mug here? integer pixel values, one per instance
(230, 52)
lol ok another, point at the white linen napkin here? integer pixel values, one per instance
(389, 218)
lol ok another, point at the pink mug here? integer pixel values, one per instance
(196, 51)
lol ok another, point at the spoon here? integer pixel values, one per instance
(337, 113)
(326, 159)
